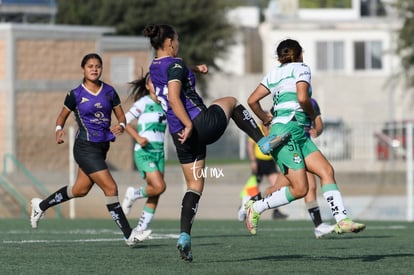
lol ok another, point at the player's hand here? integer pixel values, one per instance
(59, 136)
(202, 69)
(185, 134)
(253, 166)
(313, 133)
(117, 129)
(268, 119)
(142, 141)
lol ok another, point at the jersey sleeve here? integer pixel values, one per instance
(265, 82)
(177, 71)
(316, 108)
(70, 101)
(116, 101)
(303, 73)
(134, 112)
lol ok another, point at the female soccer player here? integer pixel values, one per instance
(148, 150)
(312, 130)
(191, 123)
(92, 102)
(290, 86)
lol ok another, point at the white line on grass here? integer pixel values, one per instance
(153, 236)
(61, 241)
(284, 229)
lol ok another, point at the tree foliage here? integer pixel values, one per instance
(405, 42)
(203, 29)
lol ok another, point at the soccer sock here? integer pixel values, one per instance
(246, 123)
(115, 209)
(189, 207)
(146, 217)
(334, 198)
(314, 212)
(276, 199)
(140, 193)
(56, 198)
(257, 197)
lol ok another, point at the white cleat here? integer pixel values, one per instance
(241, 214)
(128, 200)
(137, 237)
(36, 213)
(323, 229)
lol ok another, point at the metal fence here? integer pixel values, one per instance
(339, 142)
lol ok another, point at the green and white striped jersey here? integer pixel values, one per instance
(151, 120)
(281, 82)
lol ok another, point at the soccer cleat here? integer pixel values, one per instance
(37, 213)
(323, 229)
(252, 217)
(347, 226)
(184, 247)
(241, 214)
(269, 143)
(128, 200)
(137, 237)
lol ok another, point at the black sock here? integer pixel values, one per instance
(56, 198)
(246, 123)
(189, 207)
(118, 216)
(315, 215)
(257, 197)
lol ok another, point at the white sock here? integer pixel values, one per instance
(139, 193)
(144, 221)
(334, 199)
(274, 200)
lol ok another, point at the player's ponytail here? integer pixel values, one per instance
(158, 34)
(139, 87)
(288, 51)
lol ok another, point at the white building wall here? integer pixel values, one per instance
(308, 35)
(234, 61)
(364, 99)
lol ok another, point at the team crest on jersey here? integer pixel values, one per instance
(84, 99)
(99, 115)
(177, 66)
(297, 158)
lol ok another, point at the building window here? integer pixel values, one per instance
(367, 55)
(122, 69)
(330, 55)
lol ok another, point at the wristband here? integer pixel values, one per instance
(122, 125)
(58, 128)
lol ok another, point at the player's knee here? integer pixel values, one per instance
(80, 193)
(160, 188)
(299, 192)
(111, 190)
(77, 192)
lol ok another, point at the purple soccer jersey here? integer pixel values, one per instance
(166, 69)
(317, 113)
(93, 112)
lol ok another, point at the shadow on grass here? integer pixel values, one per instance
(364, 258)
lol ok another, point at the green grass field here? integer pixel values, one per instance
(219, 247)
